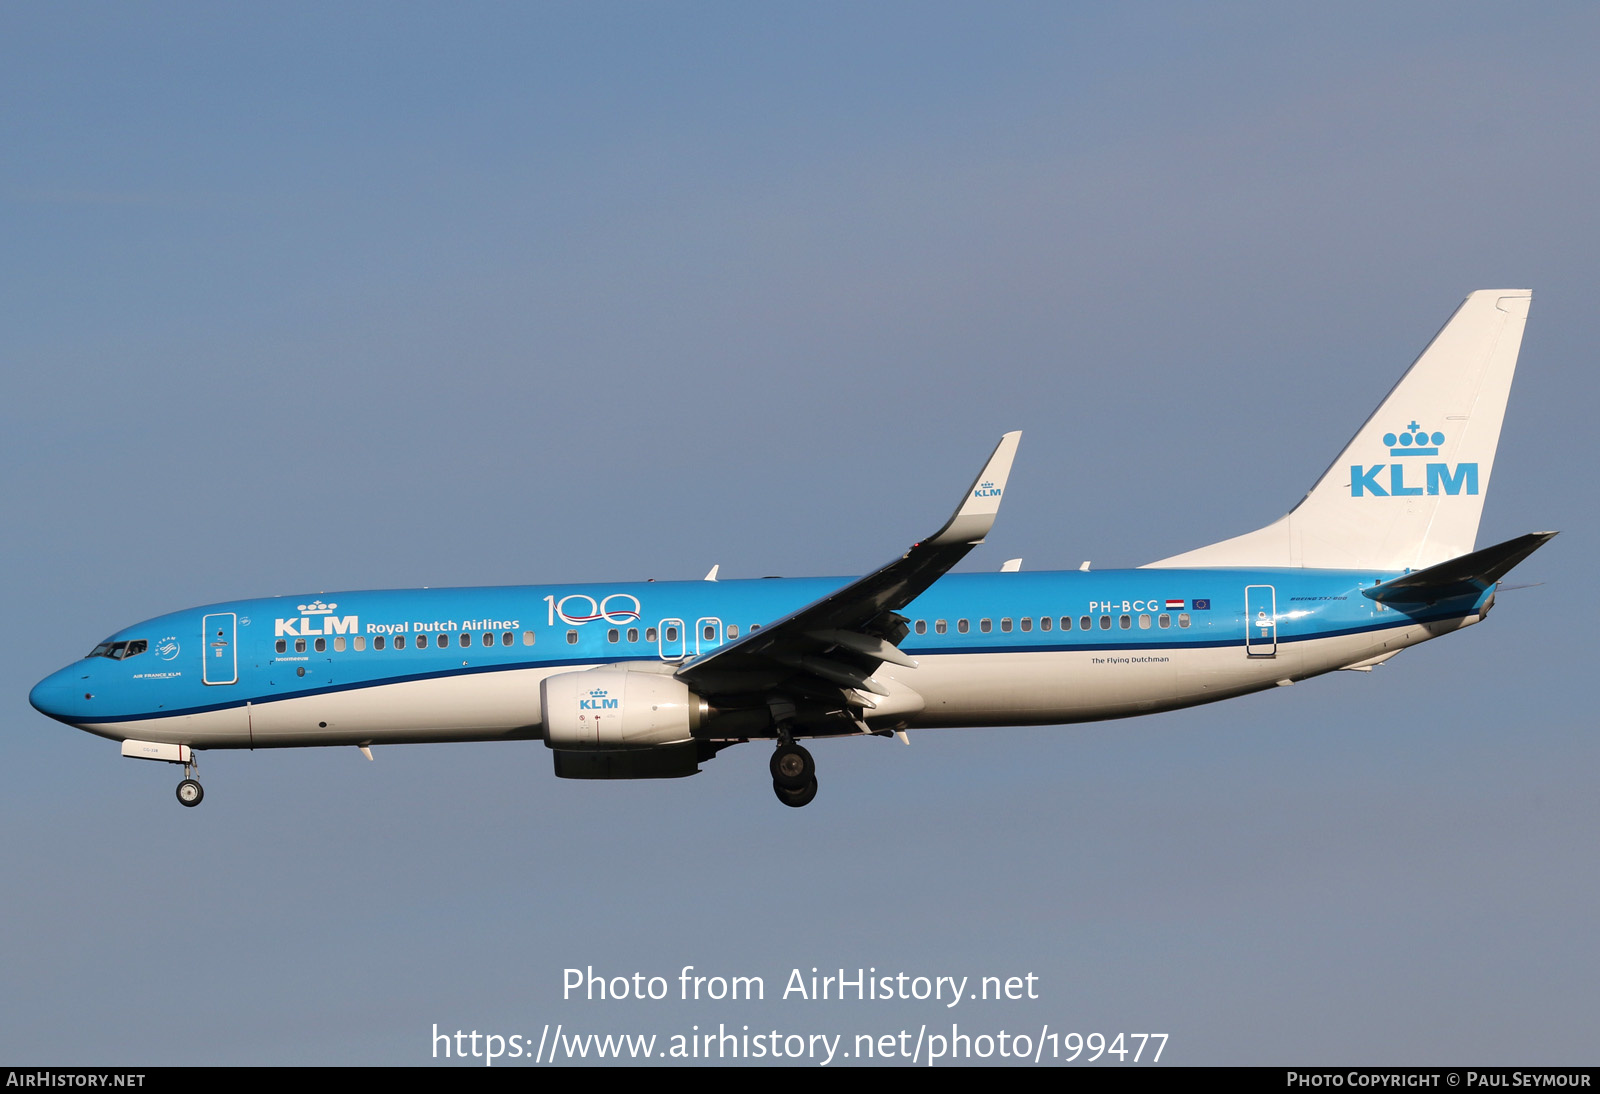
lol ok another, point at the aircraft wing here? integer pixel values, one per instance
(826, 652)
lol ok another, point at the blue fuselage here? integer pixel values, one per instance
(1238, 627)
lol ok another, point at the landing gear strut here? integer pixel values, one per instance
(794, 775)
(190, 792)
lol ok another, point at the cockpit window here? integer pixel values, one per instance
(120, 651)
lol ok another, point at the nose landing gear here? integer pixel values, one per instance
(190, 792)
(794, 775)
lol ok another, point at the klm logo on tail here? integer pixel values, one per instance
(1437, 477)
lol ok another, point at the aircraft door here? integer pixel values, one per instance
(219, 650)
(671, 641)
(1261, 621)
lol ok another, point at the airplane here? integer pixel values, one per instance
(651, 679)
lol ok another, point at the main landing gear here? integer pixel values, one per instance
(794, 775)
(190, 792)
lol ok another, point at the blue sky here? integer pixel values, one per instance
(321, 298)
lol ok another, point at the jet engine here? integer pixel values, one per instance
(611, 708)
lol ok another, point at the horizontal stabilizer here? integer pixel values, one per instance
(1467, 575)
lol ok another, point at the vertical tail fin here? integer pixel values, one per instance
(1408, 490)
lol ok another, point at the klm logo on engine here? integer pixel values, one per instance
(597, 701)
(1402, 479)
(315, 619)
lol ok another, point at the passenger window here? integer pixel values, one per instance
(1124, 622)
(649, 634)
(921, 626)
(1084, 622)
(1105, 622)
(299, 645)
(1144, 622)
(572, 638)
(1163, 620)
(672, 634)
(733, 631)
(527, 638)
(1044, 624)
(710, 633)
(1183, 619)
(377, 643)
(613, 634)
(633, 634)
(939, 626)
(984, 625)
(1027, 624)
(283, 646)
(322, 645)
(961, 625)
(754, 627)
(444, 640)
(400, 641)
(505, 639)
(338, 644)
(361, 643)
(1005, 626)
(488, 639)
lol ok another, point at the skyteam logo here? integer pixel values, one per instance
(986, 489)
(1439, 478)
(599, 699)
(168, 649)
(316, 618)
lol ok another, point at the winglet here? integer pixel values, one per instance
(972, 521)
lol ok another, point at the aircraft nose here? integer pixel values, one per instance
(53, 696)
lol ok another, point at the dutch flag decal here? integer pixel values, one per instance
(1174, 605)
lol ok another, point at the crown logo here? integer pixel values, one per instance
(317, 607)
(598, 693)
(1415, 441)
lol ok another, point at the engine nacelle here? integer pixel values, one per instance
(616, 708)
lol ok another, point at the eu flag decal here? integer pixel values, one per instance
(1202, 606)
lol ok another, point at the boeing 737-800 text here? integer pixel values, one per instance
(649, 680)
